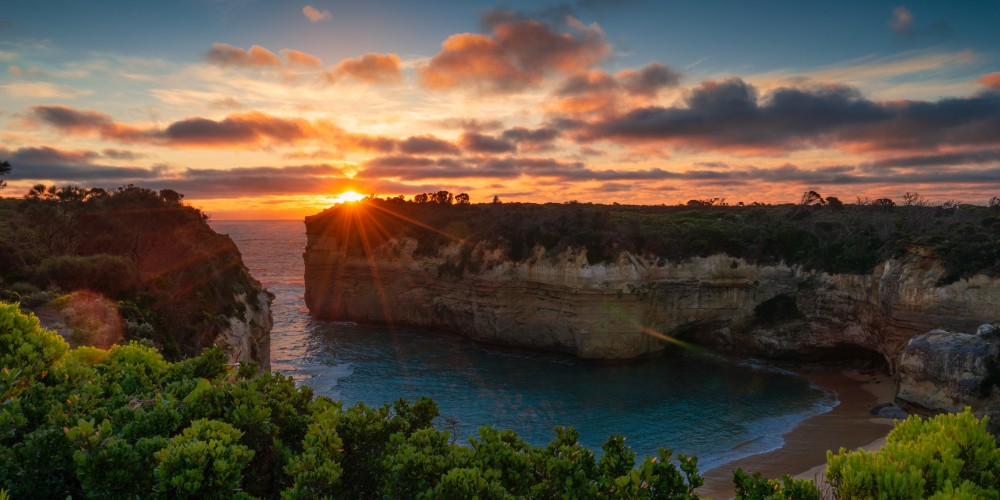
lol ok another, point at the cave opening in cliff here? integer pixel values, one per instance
(843, 355)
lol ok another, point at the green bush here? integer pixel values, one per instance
(946, 456)
(125, 423)
(26, 349)
(107, 274)
(205, 461)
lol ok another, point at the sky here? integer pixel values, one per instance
(261, 109)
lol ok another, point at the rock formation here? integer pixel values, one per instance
(638, 305)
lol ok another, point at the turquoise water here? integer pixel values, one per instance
(701, 406)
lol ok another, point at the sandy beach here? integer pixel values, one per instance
(849, 425)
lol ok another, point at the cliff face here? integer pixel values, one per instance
(635, 306)
(247, 336)
(945, 370)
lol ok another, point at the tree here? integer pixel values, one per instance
(811, 198)
(496, 199)
(995, 202)
(462, 198)
(835, 203)
(420, 198)
(914, 200)
(443, 198)
(4, 170)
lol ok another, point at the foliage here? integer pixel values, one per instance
(205, 461)
(174, 276)
(126, 423)
(757, 487)
(818, 233)
(946, 456)
(26, 349)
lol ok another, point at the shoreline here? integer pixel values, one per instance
(803, 454)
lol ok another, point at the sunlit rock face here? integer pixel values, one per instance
(637, 305)
(945, 370)
(616, 310)
(247, 336)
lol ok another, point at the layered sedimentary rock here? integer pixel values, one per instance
(637, 305)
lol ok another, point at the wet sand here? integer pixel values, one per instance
(849, 425)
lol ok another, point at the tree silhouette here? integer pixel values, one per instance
(4, 170)
(462, 198)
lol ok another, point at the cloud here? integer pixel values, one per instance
(901, 21)
(227, 56)
(532, 140)
(239, 130)
(648, 80)
(301, 59)
(42, 90)
(315, 15)
(597, 91)
(991, 80)
(369, 68)
(470, 124)
(45, 163)
(121, 154)
(480, 143)
(731, 116)
(517, 53)
(428, 145)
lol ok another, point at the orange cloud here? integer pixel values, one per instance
(991, 80)
(370, 68)
(519, 52)
(252, 129)
(315, 15)
(226, 55)
(297, 58)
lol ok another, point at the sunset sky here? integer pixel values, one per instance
(269, 109)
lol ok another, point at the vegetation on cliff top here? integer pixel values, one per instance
(175, 279)
(125, 423)
(818, 233)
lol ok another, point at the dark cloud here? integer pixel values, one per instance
(48, 164)
(481, 143)
(471, 124)
(648, 80)
(934, 160)
(518, 52)
(239, 130)
(531, 139)
(426, 144)
(121, 154)
(729, 115)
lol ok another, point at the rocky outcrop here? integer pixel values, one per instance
(247, 336)
(944, 370)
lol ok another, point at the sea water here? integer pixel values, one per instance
(694, 404)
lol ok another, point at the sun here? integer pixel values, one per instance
(347, 197)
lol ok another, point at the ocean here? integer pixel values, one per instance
(692, 403)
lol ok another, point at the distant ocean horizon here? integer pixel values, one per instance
(700, 406)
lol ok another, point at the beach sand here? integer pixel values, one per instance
(849, 425)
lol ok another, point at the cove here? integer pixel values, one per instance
(693, 404)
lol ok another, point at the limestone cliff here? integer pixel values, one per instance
(636, 305)
(247, 336)
(945, 370)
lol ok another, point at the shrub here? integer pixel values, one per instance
(205, 461)
(26, 349)
(946, 456)
(107, 274)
